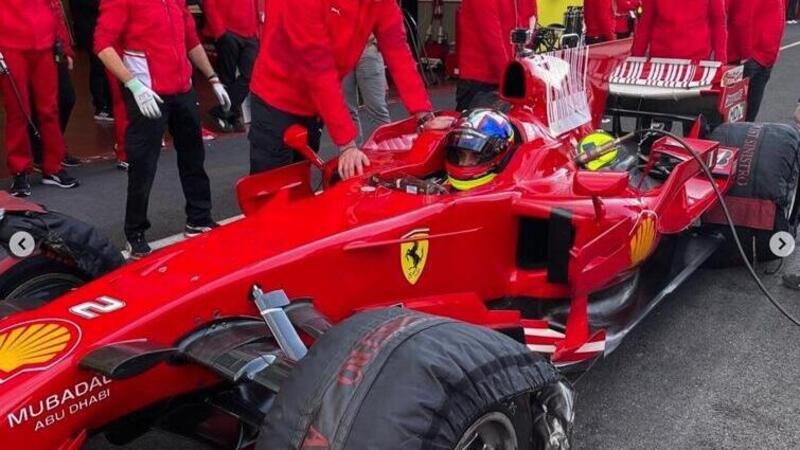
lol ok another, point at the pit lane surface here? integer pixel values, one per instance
(713, 367)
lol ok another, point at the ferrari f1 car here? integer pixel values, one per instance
(385, 311)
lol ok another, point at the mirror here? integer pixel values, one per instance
(296, 138)
(600, 184)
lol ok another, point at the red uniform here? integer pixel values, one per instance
(28, 32)
(155, 36)
(308, 46)
(599, 18)
(485, 34)
(623, 15)
(236, 16)
(755, 30)
(682, 29)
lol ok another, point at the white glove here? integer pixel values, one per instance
(145, 98)
(222, 95)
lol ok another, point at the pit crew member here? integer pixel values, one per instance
(625, 13)
(155, 38)
(307, 48)
(599, 18)
(695, 30)
(234, 24)
(485, 49)
(478, 148)
(755, 32)
(29, 35)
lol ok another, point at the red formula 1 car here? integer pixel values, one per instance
(337, 318)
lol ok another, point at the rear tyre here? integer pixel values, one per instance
(397, 379)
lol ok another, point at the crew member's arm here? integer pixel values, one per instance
(212, 10)
(198, 56)
(62, 31)
(393, 45)
(719, 29)
(313, 61)
(607, 20)
(644, 30)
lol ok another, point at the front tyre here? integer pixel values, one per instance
(397, 379)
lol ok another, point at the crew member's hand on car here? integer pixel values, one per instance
(145, 98)
(222, 95)
(352, 161)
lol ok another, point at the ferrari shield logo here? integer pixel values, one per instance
(643, 240)
(414, 254)
(35, 346)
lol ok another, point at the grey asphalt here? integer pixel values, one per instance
(713, 367)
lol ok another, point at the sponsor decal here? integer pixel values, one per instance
(35, 346)
(56, 407)
(644, 240)
(414, 254)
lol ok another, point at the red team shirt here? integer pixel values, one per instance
(237, 16)
(599, 18)
(485, 48)
(689, 29)
(308, 46)
(755, 30)
(32, 25)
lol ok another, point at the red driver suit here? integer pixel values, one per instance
(308, 46)
(28, 33)
(682, 29)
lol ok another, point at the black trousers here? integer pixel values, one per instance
(759, 77)
(791, 9)
(236, 54)
(181, 116)
(98, 84)
(66, 103)
(267, 150)
(474, 94)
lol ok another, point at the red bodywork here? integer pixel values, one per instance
(348, 249)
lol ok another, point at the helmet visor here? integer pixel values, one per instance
(469, 148)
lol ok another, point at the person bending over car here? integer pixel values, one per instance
(307, 48)
(155, 38)
(478, 148)
(695, 30)
(485, 49)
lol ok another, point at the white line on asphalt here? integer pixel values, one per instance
(788, 46)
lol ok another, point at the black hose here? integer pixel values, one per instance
(729, 219)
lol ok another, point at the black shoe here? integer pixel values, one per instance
(221, 119)
(123, 165)
(21, 187)
(103, 116)
(61, 179)
(138, 247)
(238, 125)
(71, 161)
(193, 230)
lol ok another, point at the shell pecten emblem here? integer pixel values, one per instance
(35, 346)
(414, 254)
(644, 240)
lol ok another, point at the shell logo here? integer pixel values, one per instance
(644, 240)
(35, 346)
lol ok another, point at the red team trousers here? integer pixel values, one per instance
(35, 73)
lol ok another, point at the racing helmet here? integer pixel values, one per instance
(477, 147)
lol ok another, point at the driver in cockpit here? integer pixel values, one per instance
(478, 148)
